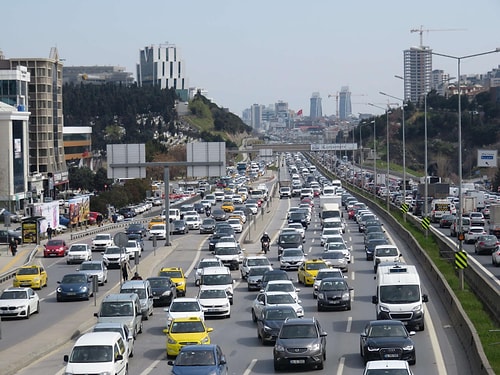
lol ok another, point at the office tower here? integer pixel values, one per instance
(417, 65)
(256, 116)
(47, 166)
(345, 110)
(316, 111)
(161, 65)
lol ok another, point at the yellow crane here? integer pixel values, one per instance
(421, 31)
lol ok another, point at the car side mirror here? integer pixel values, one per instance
(425, 298)
(66, 358)
(165, 330)
(96, 315)
(374, 300)
(170, 363)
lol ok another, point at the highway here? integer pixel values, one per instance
(438, 350)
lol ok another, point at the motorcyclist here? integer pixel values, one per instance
(265, 240)
(208, 211)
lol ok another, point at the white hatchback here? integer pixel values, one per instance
(78, 253)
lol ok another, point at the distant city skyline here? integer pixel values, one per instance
(265, 53)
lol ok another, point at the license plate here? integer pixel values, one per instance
(297, 361)
(71, 293)
(391, 356)
(156, 297)
(334, 302)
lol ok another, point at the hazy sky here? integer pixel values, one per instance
(262, 51)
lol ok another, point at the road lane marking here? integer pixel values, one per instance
(349, 324)
(435, 344)
(310, 249)
(353, 275)
(340, 368)
(249, 369)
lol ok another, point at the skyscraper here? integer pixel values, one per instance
(345, 109)
(417, 64)
(316, 111)
(161, 65)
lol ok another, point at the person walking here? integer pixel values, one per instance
(13, 246)
(49, 232)
(125, 271)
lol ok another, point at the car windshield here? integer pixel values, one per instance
(117, 309)
(386, 252)
(159, 282)
(292, 253)
(276, 299)
(141, 292)
(333, 255)
(91, 354)
(316, 266)
(172, 274)
(187, 327)
(399, 293)
(90, 267)
(101, 237)
(333, 286)
(221, 279)
(257, 262)
(296, 331)
(324, 275)
(131, 244)
(280, 287)
(77, 248)
(290, 238)
(226, 250)
(212, 293)
(14, 294)
(336, 246)
(74, 279)
(184, 306)
(278, 314)
(195, 358)
(113, 250)
(387, 371)
(212, 263)
(387, 331)
(28, 271)
(257, 271)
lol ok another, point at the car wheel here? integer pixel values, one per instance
(254, 318)
(321, 365)
(28, 312)
(140, 328)
(277, 367)
(38, 307)
(411, 363)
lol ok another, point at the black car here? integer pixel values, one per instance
(370, 246)
(273, 275)
(270, 320)
(164, 290)
(298, 217)
(214, 239)
(199, 207)
(446, 221)
(207, 226)
(301, 342)
(179, 227)
(138, 238)
(7, 235)
(137, 228)
(387, 340)
(219, 215)
(334, 293)
(127, 212)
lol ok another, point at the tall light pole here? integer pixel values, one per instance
(361, 150)
(459, 61)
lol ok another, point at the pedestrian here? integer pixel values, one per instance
(136, 276)
(124, 271)
(49, 232)
(99, 220)
(13, 246)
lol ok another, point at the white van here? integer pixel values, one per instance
(143, 289)
(440, 207)
(218, 278)
(98, 353)
(399, 295)
(385, 253)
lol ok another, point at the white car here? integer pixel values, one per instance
(253, 261)
(204, 263)
(275, 299)
(385, 253)
(236, 225)
(253, 207)
(495, 257)
(328, 233)
(184, 307)
(95, 267)
(102, 241)
(78, 253)
(292, 258)
(19, 303)
(215, 301)
(473, 233)
(159, 231)
(241, 214)
(387, 367)
(299, 227)
(133, 249)
(114, 256)
(282, 286)
(193, 221)
(122, 329)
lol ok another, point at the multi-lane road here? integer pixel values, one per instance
(438, 350)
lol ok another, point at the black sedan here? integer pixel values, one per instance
(219, 215)
(446, 221)
(74, 286)
(137, 228)
(387, 340)
(334, 293)
(486, 244)
(270, 320)
(370, 246)
(164, 290)
(207, 226)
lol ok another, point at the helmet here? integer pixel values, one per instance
(265, 234)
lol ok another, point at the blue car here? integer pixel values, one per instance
(200, 359)
(74, 286)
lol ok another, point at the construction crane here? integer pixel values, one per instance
(336, 95)
(421, 31)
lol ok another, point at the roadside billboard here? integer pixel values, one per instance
(79, 208)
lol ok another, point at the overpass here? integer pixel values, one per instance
(298, 147)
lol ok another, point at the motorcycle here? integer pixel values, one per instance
(265, 246)
(208, 213)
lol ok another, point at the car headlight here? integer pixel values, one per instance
(417, 308)
(170, 340)
(300, 310)
(321, 296)
(59, 290)
(84, 288)
(345, 297)
(315, 346)
(372, 349)
(279, 348)
(384, 309)
(267, 328)
(166, 293)
(408, 347)
(205, 340)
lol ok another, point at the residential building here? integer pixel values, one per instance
(417, 64)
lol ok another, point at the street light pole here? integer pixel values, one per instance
(459, 61)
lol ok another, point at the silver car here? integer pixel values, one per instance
(292, 259)
(95, 267)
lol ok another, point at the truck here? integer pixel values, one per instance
(436, 191)
(469, 205)
(480, 197)
(494, 222)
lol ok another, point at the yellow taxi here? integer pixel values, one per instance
(309, 269)
(32, 276)
(176, 274)
(186, 331)
(228, 206)
(156, 220)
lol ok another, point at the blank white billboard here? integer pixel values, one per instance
(203, 152)
(127, 156)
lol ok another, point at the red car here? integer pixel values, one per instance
(55, 248)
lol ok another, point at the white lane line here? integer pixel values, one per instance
(435, 344)
(353, 275)
(195, 260)
(151, 367)
(349, 324)
(340, 368)
(310, 250)
(250, 367)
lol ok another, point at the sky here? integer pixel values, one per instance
(263, 51)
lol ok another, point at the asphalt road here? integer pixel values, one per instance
(438, 351)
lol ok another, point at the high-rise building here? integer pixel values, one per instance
(46, 149)
(417, 73)
(256, 116)
(315, 111)
(440, 81)
(161, 65)
(345, 109)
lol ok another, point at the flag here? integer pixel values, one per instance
(299, 112)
